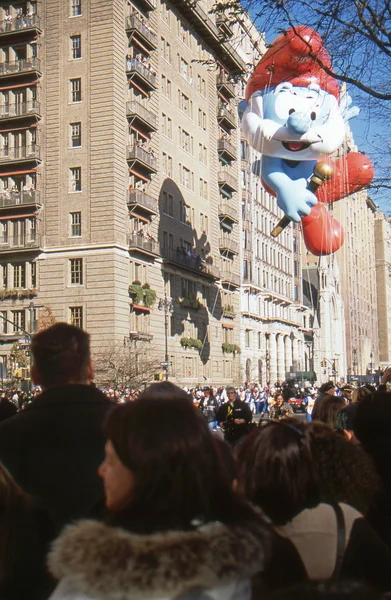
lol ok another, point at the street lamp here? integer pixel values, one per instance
(167, 306)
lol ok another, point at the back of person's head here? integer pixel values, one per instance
(276, 470)
(326, 387)
(179, 471)
(373, 418)
(61, 355)
(329, 409)
(360, 393)
(287, 466)
(165, 390)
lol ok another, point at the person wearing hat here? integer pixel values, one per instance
(326, 389)
(234, 417)
(347, 391)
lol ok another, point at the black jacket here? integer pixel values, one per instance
(54, 447)
(227, 413)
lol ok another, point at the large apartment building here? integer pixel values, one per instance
(119, 178)
(383, 281)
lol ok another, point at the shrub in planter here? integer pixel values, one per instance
(185, 342)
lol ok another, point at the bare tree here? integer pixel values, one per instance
(131, 365)
(357, 34)
(46, 318)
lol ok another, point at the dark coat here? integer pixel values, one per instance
(7, 409)
(54, 447)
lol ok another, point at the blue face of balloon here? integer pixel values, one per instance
(304, 107)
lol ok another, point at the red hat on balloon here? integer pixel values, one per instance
(289, 59)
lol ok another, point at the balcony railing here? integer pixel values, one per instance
(226, 116)
(135, 66)
(227, 210)
(20, 153)
(136, 109)
(20, 66)
(25, 22)
(146, 5)
(144, 201)
(143, 244)
(9, 111)
(225, 147)
(22, 198)
(11, 242)
(226, 87)
(227, 180)
(228, 245)
(138, 336)
(203, 267)
(230, 278)
(133, 23)
(143, 156)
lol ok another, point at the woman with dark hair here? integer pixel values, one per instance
(176, 526)
(281, 408)
(329, 409)
(300, 475)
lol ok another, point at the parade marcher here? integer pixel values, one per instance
(347, 391)
(234, 417)
(280, 408)
(54, 446)
(209, 407)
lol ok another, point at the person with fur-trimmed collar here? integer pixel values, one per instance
(176, 527)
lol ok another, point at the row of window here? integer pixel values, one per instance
(17, 319)
(19, 275)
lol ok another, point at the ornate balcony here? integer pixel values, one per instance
(226, 117)
(224, 26)
(20, 154)
(18, 67)
(228, 279)
(135, 26)
(16, 111)
(145, 5)
(15, 199)
(138, 336)
(228, 181)
(144, 118)
(143, 245)
(141, 74)
(199, 266)
(20, 242)
(25, 23)
(204, 24)
(226, 149)
(142, 204)
(228, 212)
(225, 87)
(142, 159)
(228, 246)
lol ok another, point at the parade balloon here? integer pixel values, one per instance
(295, 115)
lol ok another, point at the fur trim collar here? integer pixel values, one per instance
(107, 563)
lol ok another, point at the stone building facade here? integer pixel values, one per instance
(119, 178)
(383, 284)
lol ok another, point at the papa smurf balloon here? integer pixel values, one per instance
(295, 116)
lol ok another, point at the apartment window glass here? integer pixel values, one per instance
(76, 316)
(75, 179)
(75, 8)
(33, 274)
(76, 90)
(76, 271)
(4, 232)
(168, 204)
(5, 276)
(3, 322)
(76, 46)
(20, 276)
(75, 224)
(75, 130)
(19, 320)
